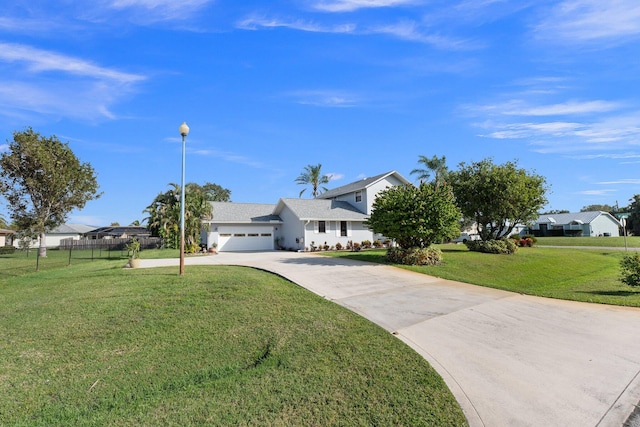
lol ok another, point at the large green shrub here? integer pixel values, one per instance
(506, 246)
(4, 250)
(415, 256)
(630, 266)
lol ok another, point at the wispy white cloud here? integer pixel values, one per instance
(566, 108)
(38, 60)
(325, 98)
(161, 10)
(603, 192)
(231, 157)
(335, 176)
(612, 156)
(404, 30)
(49, 83)
(632, 181)
(4, 147)
(256, 23)
(352, 5)
(590, 20)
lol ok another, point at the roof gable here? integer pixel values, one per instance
(72, 229)
(321, 209)
(243, 212)
(568, 218)
(360, 185)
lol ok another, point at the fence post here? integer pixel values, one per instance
(70, 249)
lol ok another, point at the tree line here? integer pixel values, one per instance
(43, 181)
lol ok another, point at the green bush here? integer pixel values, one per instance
(630, 265)
(506, 246)
(5, 250)
(415, 256)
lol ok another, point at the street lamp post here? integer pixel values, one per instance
(184, 131)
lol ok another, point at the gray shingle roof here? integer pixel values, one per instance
(72, 229)
(243, 212)
(356, 186)
(320, 209)
(568, 218)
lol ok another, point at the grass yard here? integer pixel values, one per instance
(96, 344)
(589, 275)
(612, 242)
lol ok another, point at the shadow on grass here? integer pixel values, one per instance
(610, 293)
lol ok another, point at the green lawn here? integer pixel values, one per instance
(589, 275)
(96, 344)
(612, 242)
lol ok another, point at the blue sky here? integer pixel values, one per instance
(361, 86)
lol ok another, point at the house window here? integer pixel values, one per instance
(358, 196)
(322, 227)
(343, 228)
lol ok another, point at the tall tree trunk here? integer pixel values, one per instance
(42, 249)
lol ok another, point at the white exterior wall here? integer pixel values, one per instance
(290, 230)
(604, 224)
(390, 181)
(356, 232)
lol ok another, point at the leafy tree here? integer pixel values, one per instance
(633, 222)
(164, 212)
(43, 182)
(3, 222)
(313, 176)
(115, 224)
(135, 223)
(603, 208)
(555, 211)
(436, 165)
(497, 197)
(415, 217)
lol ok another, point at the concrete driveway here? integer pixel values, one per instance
(509, 359)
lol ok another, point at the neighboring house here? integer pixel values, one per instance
(336, 216)
(117, 232)
(6, 237)
(61, 232)
(595, 223)
(66, 231)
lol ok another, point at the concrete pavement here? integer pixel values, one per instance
(509, 359)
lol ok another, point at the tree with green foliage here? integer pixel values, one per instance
(633, 222)
(602, 208)
(312, 175)
(415, 217)
(497, 197)
(43, 182)
(164, 212)
(3, 222)
(555, 211)
(435, 165)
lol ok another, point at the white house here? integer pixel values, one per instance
(594, 223)
(336, 216)
(61, 232)
(6, 237)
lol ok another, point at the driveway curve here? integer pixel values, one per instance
(509, 359)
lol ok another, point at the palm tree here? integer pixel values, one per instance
(311, 175)
(164, 212)
(436, 164)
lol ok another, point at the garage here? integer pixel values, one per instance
(245, 238)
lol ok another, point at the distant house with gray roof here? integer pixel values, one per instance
(594, 223)
(54, 237)
(336, 216)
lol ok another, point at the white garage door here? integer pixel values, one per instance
(245, 238)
